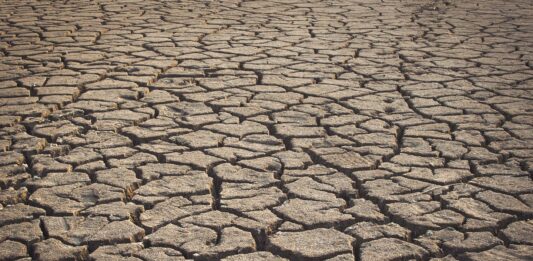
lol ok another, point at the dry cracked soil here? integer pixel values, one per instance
(363, 130)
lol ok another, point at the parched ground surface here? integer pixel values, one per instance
(266, 130)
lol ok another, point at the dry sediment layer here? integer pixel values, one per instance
(266, 130)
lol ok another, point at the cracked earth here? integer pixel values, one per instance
(266, 130)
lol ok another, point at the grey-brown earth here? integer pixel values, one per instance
(266, 130)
